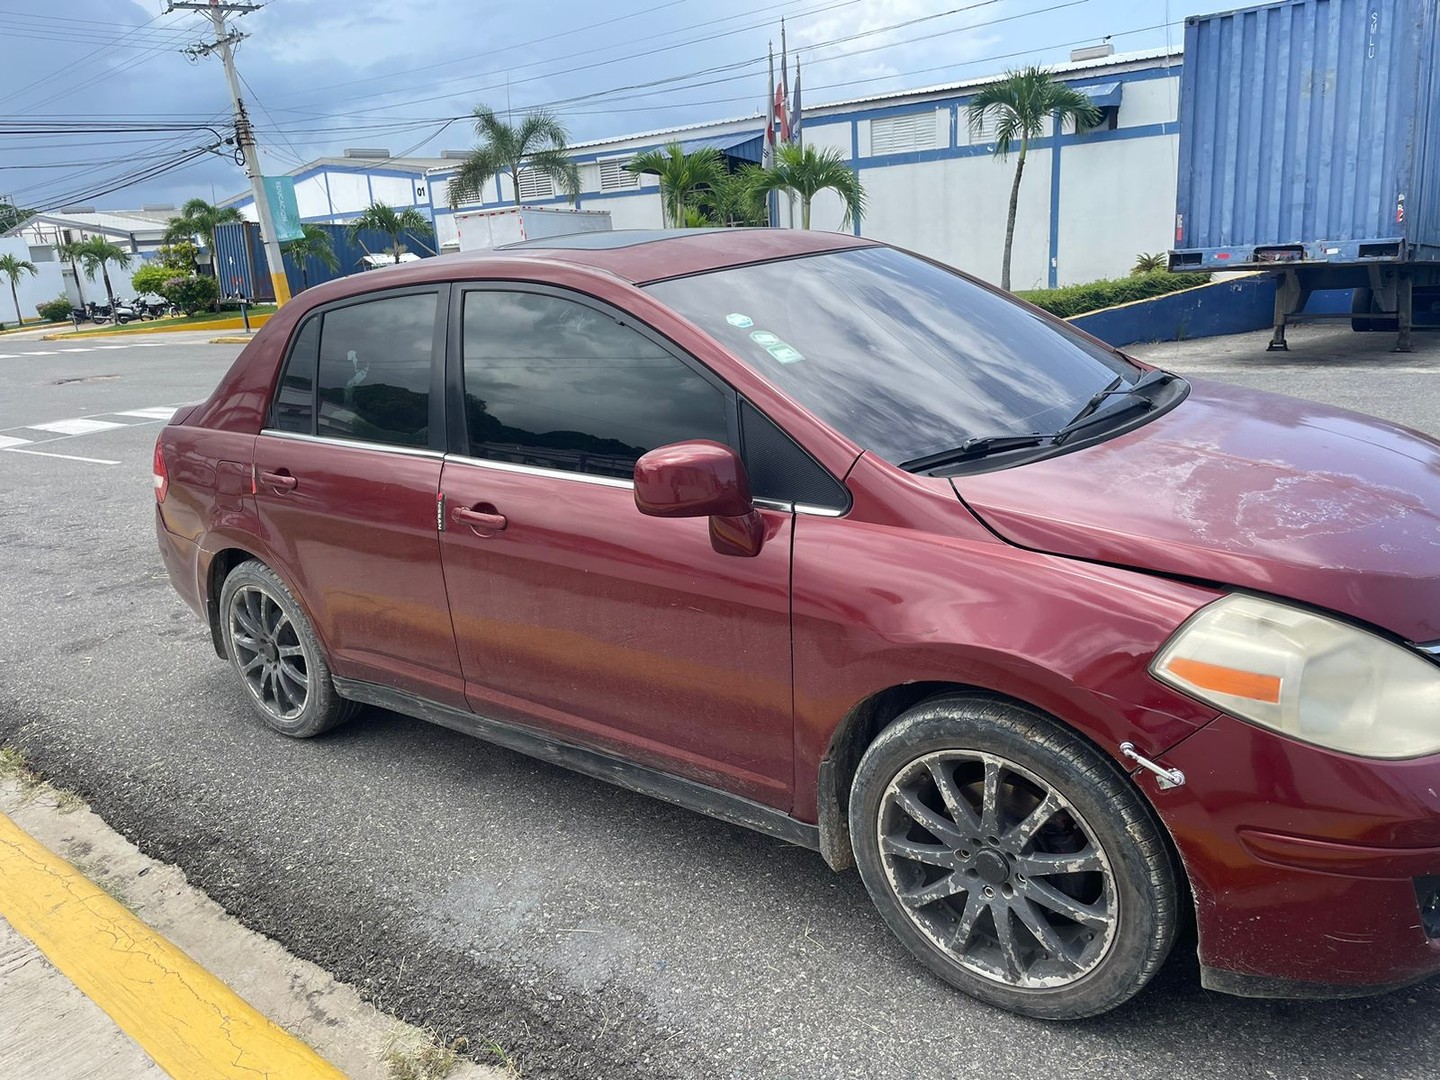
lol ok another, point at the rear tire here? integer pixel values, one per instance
(1012, 858)
(276, 654)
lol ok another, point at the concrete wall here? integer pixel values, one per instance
(47, 284)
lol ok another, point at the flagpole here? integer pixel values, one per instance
(784, 111)
(769, 150)
(797, 125)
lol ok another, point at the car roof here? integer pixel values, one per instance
(642, 256)
(636, 256)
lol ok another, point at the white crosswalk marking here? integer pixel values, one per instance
(76, 427)
(8, 355)
(88, 349)
(11, 440)
(163, 412)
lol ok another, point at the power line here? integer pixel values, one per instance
(66, 69)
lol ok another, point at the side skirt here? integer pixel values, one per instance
(647, 781)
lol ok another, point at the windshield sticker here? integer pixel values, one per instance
(784, 353)
(764, 338)
(744, 322)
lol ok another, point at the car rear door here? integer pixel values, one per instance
(347, 476)
(574, 613)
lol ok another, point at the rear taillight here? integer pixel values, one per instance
(162, 475)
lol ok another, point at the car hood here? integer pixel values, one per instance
(1247, 489)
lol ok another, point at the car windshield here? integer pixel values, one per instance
(902, 356)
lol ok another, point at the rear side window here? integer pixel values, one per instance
(294, 408)
(374, 371)
(559, 385)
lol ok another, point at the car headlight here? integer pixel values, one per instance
(1307, 676)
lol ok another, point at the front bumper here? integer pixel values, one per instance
(1309, 868)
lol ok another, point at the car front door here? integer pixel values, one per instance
(572, 611)
(347, 473)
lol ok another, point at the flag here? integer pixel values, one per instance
(780, 117)
(795, 105)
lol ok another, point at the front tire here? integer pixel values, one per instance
(1012, 858)
(275, 652)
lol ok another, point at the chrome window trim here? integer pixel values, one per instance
(357, 444)
(535, 470)
(820, 511)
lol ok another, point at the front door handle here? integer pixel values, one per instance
(282, 480)
(480, 519)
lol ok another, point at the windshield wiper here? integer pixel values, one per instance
(977, 447)
(983, 445)
(1138, 389)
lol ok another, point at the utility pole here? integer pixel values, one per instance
(244, 134)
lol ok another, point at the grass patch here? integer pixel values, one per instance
(197, 321)
(1075, 300)
(508, 1064)
(422, 1061)
(13, 766)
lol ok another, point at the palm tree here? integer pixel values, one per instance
(391, 222)
(805, 171)
(315, 244)
(200, 219)
(682, 177)
(1150, 264)
(97, 253)
(12, 266)
(537, 142)
(70, 252)
(1021, 102)
(734, 201)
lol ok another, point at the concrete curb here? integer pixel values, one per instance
(256, 321)
(299, 996)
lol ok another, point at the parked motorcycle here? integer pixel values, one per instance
(101, 314)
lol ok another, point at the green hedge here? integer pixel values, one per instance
(1094, 295)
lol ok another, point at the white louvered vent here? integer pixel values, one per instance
(899, 134)
(535, 185)
(985, 133)
(615, 177)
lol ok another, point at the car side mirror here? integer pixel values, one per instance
(700, 478)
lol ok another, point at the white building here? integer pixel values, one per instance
(138, 232)
(1089, 203)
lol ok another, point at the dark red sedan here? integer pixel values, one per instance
(834, 542)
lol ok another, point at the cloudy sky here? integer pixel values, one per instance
(322, 75)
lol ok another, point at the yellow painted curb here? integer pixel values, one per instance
(256, 321)
(188, 1021)
(230, 340)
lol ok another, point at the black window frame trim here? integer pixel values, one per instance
(439, 436)
(456, 425)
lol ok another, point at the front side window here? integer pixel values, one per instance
(556, 384)
(374, 371)
(903, 357)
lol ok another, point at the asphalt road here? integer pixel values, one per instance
(588, 931)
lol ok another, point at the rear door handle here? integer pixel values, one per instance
(282, 480)
(480, 519)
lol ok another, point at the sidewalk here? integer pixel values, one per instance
(112, 966)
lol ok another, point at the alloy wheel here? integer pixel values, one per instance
(268, 652)
(997, 869)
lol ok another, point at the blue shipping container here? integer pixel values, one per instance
(245, 270)
(1310, 132)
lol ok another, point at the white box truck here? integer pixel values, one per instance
(480, 230)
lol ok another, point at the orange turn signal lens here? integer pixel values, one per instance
(1227, 680)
